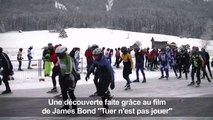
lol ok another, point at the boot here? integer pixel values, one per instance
(127, 87)
(54, 90)
(167, 77)
(198, 84)
(179, 77)
(6, 92)
(20, 69)
(137, 80)
(191, 84)
(144, 80)
(161, 77)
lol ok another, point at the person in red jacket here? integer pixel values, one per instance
(117, 57)
(55, 69)
(88, 55)
(152, 55)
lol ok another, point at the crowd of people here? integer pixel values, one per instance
(99, 63)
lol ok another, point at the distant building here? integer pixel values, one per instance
(134, 46)
(158, 44)
(172, 45)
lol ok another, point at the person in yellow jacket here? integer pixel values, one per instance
(128, 65)
(47, 64)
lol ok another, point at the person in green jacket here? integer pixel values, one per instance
(197, 63)
(66, 79)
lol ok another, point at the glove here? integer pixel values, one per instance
(87, 77)
(11, 72)
(112, 86)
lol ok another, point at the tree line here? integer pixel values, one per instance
(184, 18)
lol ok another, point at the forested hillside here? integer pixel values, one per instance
(189, 18)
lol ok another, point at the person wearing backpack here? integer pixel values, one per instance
(197, 63)
(139, 65)
(171, 53)
(66, 79)
(75, 55)
(164, 63)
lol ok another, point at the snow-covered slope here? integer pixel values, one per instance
(12, 41)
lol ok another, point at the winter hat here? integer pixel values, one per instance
(123, 49)
(167, 47)
(136, 49)
(195, 48)
(49, 44)
(20, 49)
(60, 49)
(203, 49)
(94, 46)
(97, 51)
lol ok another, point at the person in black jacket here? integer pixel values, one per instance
(139, 65)
(183, 62)
(7, 71)
(207, 58)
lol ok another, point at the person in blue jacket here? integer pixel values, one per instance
(106, 76)
(164, 63)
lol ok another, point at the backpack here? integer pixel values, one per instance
(163, 57)
(212, 63)
(76, 75)
(72, 54)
